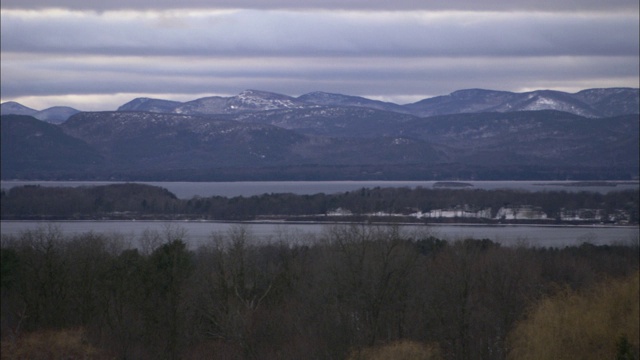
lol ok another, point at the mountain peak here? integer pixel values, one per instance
(15, 108)
(56, 114)
(471, 91)
(252, 100)
(332, 99)
(261, 93)
(150, 105)
(322, 94)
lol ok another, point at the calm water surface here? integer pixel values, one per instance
(199, 232)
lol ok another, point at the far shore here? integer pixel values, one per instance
(329, 220)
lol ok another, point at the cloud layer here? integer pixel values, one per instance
(406, 54)
(367, 5)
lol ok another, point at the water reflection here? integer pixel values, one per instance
(200, 232)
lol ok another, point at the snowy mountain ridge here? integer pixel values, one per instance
(592, 103)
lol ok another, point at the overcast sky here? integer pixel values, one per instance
(98, 55)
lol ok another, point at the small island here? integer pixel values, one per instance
(451, 184)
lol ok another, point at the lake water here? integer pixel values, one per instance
(187, 190)
(199, 232)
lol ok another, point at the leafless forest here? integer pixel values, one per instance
(357, 292)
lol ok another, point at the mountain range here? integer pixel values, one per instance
(259, 135)
(54, 115)
(588, 103)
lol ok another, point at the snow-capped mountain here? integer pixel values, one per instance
(547, 100)
(257, 135)
(589, 103)
(246, 101)
(253, 100)
(612, 101)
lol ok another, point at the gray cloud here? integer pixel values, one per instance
(358, 76)
(465, 5)
(385, 54)
(254, 33)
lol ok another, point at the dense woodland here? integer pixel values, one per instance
(122, 201)
(353, 292)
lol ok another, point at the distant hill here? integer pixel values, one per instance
(258, 135)
(150, 105)
(532, 137)
(587, 103)
(31, 147)
(14, 108)
(611, 102)
(54, 115)
(131, 140)
(328, 99)
(326, 145)
(335, 121)
(246, 101)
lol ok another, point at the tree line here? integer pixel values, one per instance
(354, 291)
(137, 200)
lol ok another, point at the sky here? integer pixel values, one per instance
(98, 55)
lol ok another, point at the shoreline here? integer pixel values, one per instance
(381, 223)
(188, 190)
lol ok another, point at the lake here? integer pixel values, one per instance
(199, 232)
(187, 190)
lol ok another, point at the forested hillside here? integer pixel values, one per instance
(321, 143)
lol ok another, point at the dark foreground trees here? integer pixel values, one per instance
(354, 292)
